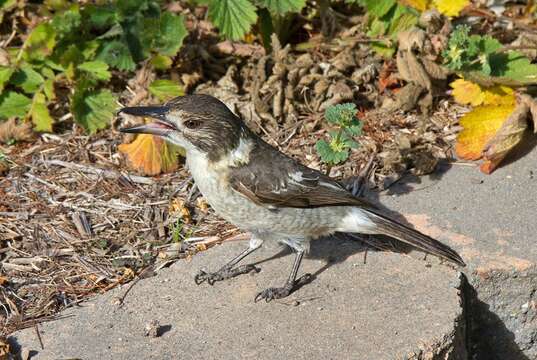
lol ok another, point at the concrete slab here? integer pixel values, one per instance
(491, 221)
(392, 307)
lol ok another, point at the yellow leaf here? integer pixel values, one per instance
(450, 7)
(150, 154)
(480, 125)
(467, 92)
(420, 5)
(509, 135)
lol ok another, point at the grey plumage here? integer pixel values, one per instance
(261, 190)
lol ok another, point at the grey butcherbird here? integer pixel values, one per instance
(261, 190)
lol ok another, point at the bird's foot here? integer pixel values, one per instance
(281, 292)
(224, 273)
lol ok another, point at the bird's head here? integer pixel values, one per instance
(195, 122)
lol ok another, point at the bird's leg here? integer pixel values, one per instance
(228, 271)
(291, 285)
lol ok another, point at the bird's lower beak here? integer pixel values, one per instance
(161, 126)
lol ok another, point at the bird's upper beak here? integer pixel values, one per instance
(161, 126)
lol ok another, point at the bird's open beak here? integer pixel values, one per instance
(161, 126)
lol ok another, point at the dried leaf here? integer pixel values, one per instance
(178, 208)
(150, 154)
(467, 92)
(5, 349)
(202, 204)
(480, 125)
(508, 136)
(10, 130)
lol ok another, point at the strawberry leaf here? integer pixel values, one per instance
(13, 104)
(93, 110)
(233, 18)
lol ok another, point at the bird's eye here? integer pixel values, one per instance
(192, 124)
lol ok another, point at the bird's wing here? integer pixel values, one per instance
(273, 179)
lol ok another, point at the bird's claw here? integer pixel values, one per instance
(273, 293)
(223, 274)
(278, 293)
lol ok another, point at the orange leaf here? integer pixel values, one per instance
(420, 5)
(480, 125)
(150, 154)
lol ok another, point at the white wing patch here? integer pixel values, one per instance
(329, 185)
(358, 221)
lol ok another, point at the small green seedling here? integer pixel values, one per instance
(336, 150)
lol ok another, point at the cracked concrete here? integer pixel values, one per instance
(490, 220)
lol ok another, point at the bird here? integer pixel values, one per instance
(261, 190)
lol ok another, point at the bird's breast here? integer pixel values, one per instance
(239, 210)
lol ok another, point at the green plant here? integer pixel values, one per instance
(176, 229)
(485, 60)
(386, 18)
(234, 18)
(76, 50)
(179, 231)
(336, 150)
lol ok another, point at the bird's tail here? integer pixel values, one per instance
(413, 237)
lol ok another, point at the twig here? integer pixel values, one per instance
(39, 336)
(108, 174)
(121, 299)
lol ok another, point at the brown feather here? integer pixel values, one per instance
(278, 185)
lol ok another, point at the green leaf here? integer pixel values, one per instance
(403, 20)
(516, 66)
(324, 150)
(40, 114)
(13, 104)
(172, 33)
(355, 129)
(281, 7)
(5, 75)
(130, 8)
(97, 69)
(161, 62)
(117, 54)
(332, 153)
(48, 89)
(488, 44)
(115, 31)
(100, 17)
(27, 79)
(93, 110)
(379, 8)
(165, 89)
(67, 23)
(377, 28)
(40, 42)
(342, 114)
(234, 18)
